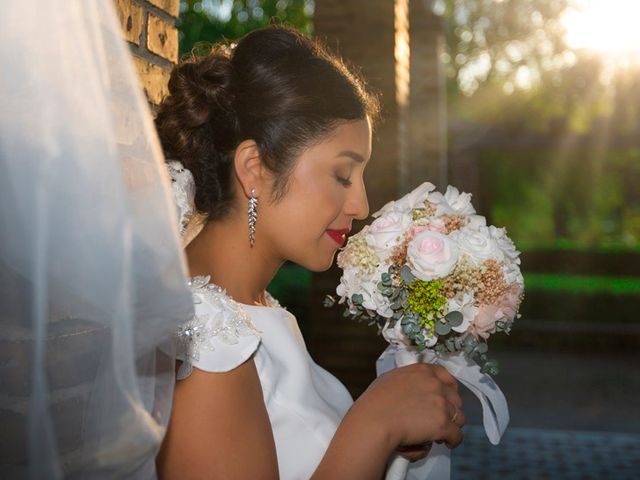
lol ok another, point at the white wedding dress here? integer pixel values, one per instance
(305, 403)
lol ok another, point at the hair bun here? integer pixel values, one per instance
(277, 87)
(203, 88)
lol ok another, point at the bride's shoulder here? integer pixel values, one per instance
(221, 334)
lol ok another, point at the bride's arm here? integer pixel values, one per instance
(219, 428)
(407, 406)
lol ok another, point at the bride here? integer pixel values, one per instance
(277, 134)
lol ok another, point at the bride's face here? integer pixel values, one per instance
(325, 194)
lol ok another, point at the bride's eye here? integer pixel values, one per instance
(344, 181)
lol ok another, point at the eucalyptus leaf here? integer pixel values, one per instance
(450, 344)
(442, 328)
(406, 275)
(454, 318)
(357, 299)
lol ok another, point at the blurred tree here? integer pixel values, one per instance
(215, 20)
(508, 41)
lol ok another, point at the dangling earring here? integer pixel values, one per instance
(253, 216)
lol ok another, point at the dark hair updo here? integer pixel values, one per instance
(277, 87)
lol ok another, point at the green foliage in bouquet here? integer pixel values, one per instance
(419, 306)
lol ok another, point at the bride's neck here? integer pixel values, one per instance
(222, 251)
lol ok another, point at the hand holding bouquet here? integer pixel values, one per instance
(437, 282)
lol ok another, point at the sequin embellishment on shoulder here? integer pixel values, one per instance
(227, 323)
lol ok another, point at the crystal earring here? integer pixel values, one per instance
(253, 216)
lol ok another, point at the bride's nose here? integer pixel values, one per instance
(357, 204)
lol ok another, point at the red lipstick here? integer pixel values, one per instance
(339, 236)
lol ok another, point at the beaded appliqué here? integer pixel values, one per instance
(229, 323)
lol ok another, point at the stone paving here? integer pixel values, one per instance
(538, 454)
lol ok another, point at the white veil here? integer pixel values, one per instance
(92, 278)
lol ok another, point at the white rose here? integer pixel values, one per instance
(505, 244)
(413, 199)
(386, 231)
(453, 202)
(477, 244)
(463, 303)
(431, 255)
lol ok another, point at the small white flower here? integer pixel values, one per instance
(413, 199)
(463, 303)
(394, 335)
(453, 202)
(505, 244)
(476, 221)
(350, 283)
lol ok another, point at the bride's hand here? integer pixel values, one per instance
(401, 411)
(415, 404)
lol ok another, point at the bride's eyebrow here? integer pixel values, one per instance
(351, 154)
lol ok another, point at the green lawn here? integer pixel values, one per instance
(582, 284)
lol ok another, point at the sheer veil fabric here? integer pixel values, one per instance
(92, 278)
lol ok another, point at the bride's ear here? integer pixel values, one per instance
(249, 168)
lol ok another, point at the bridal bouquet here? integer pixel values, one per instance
(437, 282)
(432, 275)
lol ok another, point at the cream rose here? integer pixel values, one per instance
(477, 244)
(387, 231)
(431, 255)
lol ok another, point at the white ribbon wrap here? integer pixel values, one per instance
(495, 412)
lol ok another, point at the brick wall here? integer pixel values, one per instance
(149, 28)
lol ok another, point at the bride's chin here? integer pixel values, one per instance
(320, 264)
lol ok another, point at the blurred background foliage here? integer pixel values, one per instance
(512, 74)
(212, 21)
(550, 119)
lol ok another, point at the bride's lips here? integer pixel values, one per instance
(338, 236)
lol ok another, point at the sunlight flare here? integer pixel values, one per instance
(607, 27)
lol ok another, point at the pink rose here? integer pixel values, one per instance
(488, 315)
(431, 255)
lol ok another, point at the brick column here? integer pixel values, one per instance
(149, 28)
(427, 106)
(396, 45)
